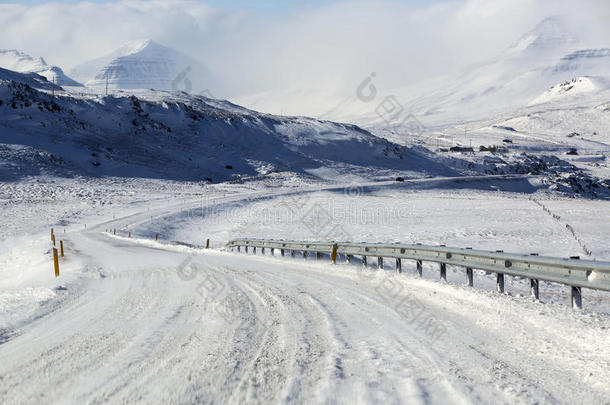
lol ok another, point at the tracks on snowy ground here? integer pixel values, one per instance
(304, 332)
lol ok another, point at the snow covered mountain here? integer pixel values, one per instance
(548, 55)
(12, 59)
(144, 64)
(178, 136)
(548, 40)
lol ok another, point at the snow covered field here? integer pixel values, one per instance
(134, 320)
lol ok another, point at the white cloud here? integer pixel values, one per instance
(312, 47)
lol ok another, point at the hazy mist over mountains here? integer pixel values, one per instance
(329, 48)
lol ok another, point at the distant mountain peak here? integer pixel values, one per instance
(137, 46)
(15, 60)
(145, 64)
(550, 35)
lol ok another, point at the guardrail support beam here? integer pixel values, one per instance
(576, 298)
(534, 288)
(536, 268)
(500, 283)
(282, 252)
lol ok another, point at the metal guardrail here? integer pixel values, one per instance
(572, 272)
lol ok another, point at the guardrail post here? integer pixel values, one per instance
(246, 248)
(500, 283)
(263, 251)
(380, 263)
(272, 252)
(282, 252)
(238, 248)
(419, 268)
(292, 253)
(534, 288)
(364, 262)
(348, 259)
(576, 298)
(469, 277)
(318, 255)
(443, 272)
(253, 250)
(56, 262)
(398, 265)
(333, 254)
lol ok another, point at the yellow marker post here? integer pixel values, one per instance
(53, 239)
(333, 255)
(61, 248)
(156, 236)
(129, 234)
(114, 231)
(52, 233)
(207, 244)
(56, 262)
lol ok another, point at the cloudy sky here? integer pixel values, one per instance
(254, 46)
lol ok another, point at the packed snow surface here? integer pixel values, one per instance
(132, 319)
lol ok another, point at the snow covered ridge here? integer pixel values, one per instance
(569, 88)
(12, 59)
(178, 136)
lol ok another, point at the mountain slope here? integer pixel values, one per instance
(177, 136)
(144, 64)
(12, 59)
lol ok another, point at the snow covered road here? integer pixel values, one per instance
(147, 322)
(233, 328)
